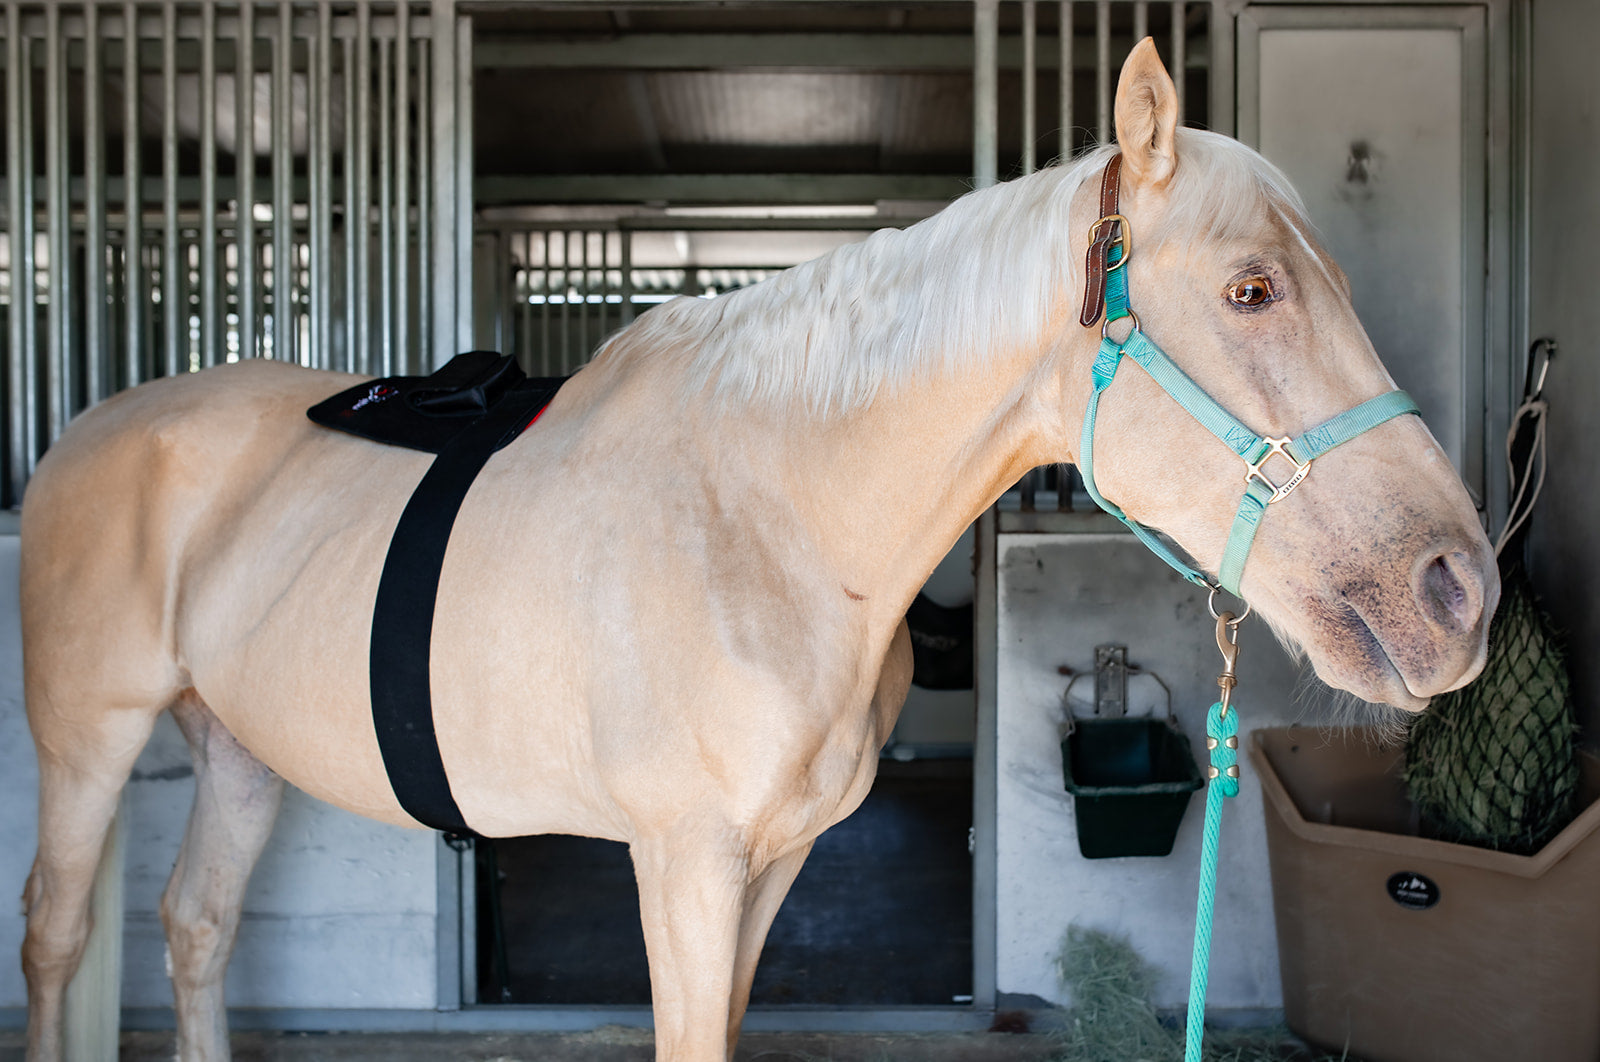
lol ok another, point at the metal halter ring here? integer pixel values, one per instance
(1105, 323)
(1124, 239)
(1211, 607)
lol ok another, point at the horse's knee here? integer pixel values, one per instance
(54, 940)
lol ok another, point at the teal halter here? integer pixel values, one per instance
(1260, 491)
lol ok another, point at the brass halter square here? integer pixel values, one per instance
(1277, 446)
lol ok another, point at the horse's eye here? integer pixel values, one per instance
(1250, 292)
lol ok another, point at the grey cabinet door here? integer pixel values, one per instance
(1378, 116)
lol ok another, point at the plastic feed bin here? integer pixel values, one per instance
(1130, 781)
(1407, 949)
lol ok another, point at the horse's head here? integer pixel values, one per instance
(1376, 563)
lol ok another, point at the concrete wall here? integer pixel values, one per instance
(340, 912)
(1059, 596)
(1564, 302)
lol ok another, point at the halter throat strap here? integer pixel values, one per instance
(1106, 291)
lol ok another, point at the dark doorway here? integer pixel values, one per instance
(881, 915)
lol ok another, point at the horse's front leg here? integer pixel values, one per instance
(692, 885)
(761, 902)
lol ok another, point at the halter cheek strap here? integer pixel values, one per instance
(1110, 249)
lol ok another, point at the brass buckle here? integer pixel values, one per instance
(1124, 240)
(1277, 446)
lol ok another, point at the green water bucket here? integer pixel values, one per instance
(1130, 781)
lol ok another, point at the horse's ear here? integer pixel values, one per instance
(1147, 117)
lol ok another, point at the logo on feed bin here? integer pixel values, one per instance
(1412, 890)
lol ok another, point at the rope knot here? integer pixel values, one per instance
(1222, 739)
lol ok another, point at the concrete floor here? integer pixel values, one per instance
(613, 1044)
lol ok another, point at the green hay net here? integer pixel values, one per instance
(1494, 763)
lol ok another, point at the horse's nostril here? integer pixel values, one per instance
(1451, 591)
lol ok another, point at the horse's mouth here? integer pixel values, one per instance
(1366, 667)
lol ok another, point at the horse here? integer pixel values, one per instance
(671, 612)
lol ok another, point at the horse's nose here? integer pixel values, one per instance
(1450, 589)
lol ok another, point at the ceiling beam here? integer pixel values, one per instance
(712, 189)
(733, 51)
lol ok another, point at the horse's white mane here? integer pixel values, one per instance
(982, 275)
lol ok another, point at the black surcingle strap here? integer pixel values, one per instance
(402, 616)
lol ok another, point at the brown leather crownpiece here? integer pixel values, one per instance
(1100, 241)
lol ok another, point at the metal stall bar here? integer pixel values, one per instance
(244, 175)
(1064, 79)
(172, 267)
(462, 126)
(402, 178)
(544, 310)
(445, 192)
(348, 173)
(283, 338)
(1141, 20)
(427, 268)
(1030, 84)
(323, 162)
(97, 384)
(386, 301)
(360, 213)
(1102, 71)
(625, 258)
(208, 184)
(985, 93)
(28, 296)
(1179, 50)
(21, 294)
(58, 344)
(134, 288)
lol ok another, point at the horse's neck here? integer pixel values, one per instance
(889, 489)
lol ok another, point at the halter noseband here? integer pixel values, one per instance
(1106, 290)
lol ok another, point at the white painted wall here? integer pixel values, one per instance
(1059, 597)
(340, 912)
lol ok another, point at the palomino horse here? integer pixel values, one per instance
(703, 657)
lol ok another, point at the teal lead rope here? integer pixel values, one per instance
(1222, 738)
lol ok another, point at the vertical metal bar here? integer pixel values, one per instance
(173, 338)
(208, 184)
(56, 219)
(626, 255)
(21, 308)
(283, 329)
(566, 299)
(385, 217)
(361, 294)
(1220, 59)
(524, 332)
(322, 164)
(463, 200)
(1064, 75)
(347, 79)
(135, 293)
(96, 380)
(30, 262)
(1179, 51)
(316, 311)
(444, 116)
(1030, 84)
(583, 296)
(402, 177)
(1102, 71)
(544, 315)
(244, 173)
(985, 93)
(427, 268)
(1141, 20)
